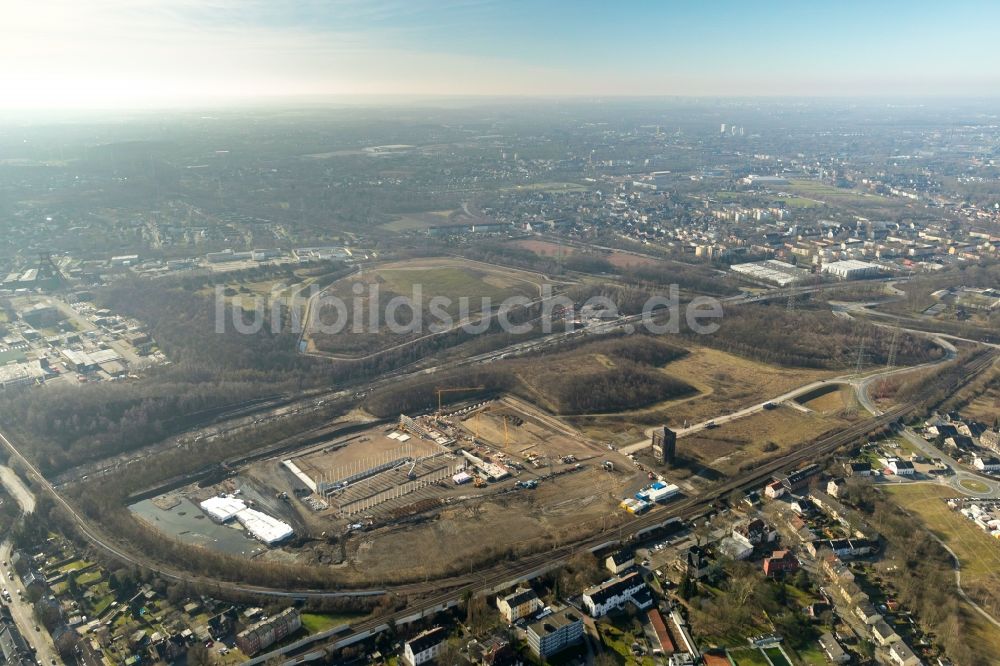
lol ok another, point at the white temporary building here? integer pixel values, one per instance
(662, 494)
(223, 509)
(263, 527)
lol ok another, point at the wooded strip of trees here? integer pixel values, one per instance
(633, 382)
(810, 338)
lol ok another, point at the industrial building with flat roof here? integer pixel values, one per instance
(772, 271)
(14, 375)
(852, 269)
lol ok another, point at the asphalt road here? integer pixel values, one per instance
(21, 610)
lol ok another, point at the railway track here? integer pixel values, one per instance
(449, 589)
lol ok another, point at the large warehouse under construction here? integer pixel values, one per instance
(360, 472)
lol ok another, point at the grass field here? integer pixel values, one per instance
(974, 486)
(247, 293)
(448, 278)
(811, 189)
(978, 552)
(829, 401)
(315, 623)
(799, 202)
(417, 221)
(455, 282)
(748, 657)
(789, 201)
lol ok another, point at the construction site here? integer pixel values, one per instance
(430, 481)
(373, 470)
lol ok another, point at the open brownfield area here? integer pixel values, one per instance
(758, 436)
(517, 428)
(460, 535)
(725, 383)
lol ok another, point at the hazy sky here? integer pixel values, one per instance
(140, 53)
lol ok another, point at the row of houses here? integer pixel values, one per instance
(850, 595)
(262, 634)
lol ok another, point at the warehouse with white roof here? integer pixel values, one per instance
(263, 527)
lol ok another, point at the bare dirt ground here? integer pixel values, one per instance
(527, 430)
(459, 537)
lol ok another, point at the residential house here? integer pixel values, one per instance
(866, 612)
(799, 479)
(554, 633)
(836, 570)
(990, 464)
(736, 548)
(858, 469)
(660, 629)
(774, 490)
(846, 516)
(619, 561)
(425, 646)
(521, 603)
(902, 655)
(615, 593)
(884, 634)
(258, 636)
(902, 468)
(832, 649)
(801, 528)
(33, 580)
(960, 442)
(800, 506)
(845, 549)
(816, 609)
(492, 651)
(850, 592)
(943, 430)
(14, 650)
(754, 532)
(835, 487)
(781, 562)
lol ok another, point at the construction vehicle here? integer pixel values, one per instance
(479, 483)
